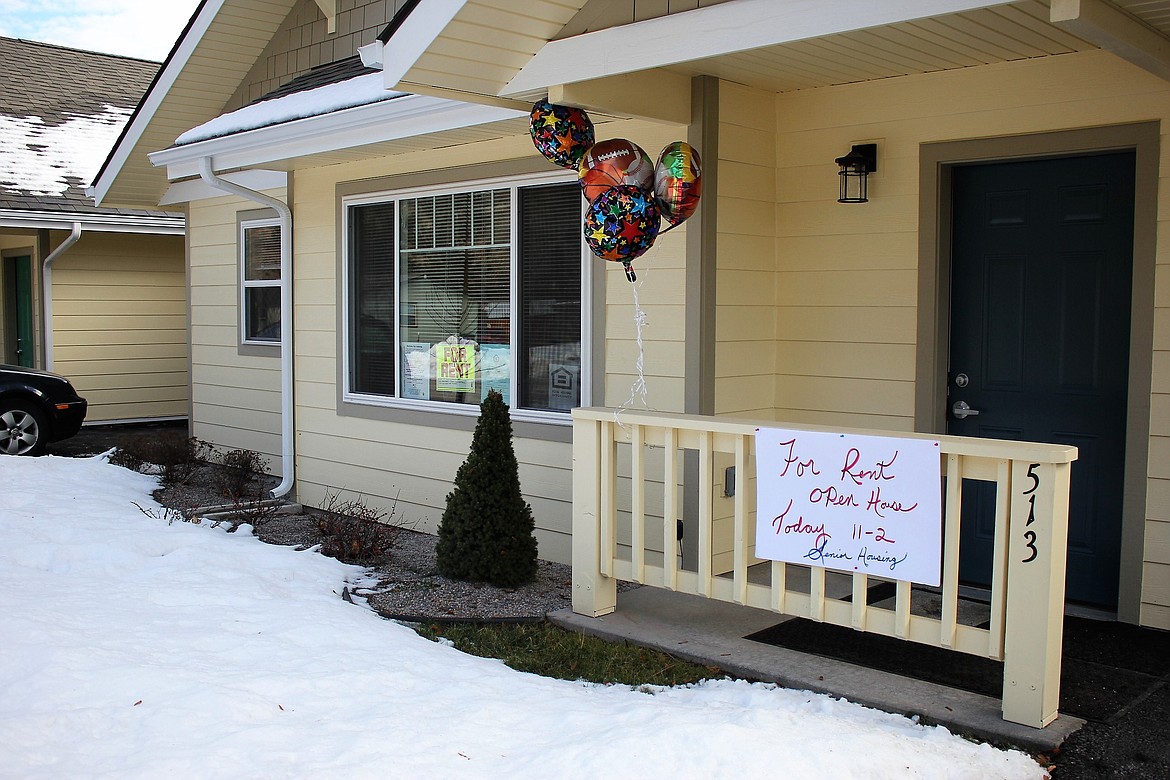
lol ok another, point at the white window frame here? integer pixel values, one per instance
(514, 183)
(246, 284)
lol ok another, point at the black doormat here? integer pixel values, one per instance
(1105, 667)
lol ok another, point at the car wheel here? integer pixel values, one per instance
(22, 430)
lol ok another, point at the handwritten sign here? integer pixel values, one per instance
(866, 504)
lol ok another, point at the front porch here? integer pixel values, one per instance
(631, 470)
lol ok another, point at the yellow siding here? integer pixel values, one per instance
(235, 397)
(745, 314)
(120, 325)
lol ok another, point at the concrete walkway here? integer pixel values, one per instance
(711, 632)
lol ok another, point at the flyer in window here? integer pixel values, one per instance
(416, 369)
(493, 370)
(456, 367)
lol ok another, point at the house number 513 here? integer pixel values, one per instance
(1030, 535)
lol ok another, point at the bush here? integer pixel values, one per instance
(353, 531)
(485, 534)
(176, 455)
(239, 471)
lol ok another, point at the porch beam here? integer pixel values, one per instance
(657, 95)
(727, 28)
(1116, 31)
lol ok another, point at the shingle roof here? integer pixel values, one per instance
(320, 76)
(60, 112)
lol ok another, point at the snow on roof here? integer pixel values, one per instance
(42, 158)
(358, 91)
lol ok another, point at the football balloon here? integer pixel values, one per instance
(621, 223)
(614, 163)
(678, 182)
(561, 133)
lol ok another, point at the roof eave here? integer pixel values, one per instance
(93, 222)
(387, 120)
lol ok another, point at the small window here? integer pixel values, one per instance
(260, 287)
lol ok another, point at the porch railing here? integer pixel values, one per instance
(628, 492)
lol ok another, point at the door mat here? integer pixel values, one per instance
(1106, 667)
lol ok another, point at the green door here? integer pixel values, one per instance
(1040, 297)
(18, 293)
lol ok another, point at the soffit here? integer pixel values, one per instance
(220, 59)
(488, 41)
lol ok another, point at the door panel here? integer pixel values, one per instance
(18, 302)
(1040, 316)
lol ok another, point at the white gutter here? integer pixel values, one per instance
(287, 453)
(47, 291)
(93, 222)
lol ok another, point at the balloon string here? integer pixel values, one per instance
(638, 387)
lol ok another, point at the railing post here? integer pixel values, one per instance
(1038, 538)
(593, 593)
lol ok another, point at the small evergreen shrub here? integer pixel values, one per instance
(353, 531)
(485, 534)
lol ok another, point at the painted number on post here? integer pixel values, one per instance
(1029, 535)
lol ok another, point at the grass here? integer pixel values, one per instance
(551, 651)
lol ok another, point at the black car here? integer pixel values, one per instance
(36, 408)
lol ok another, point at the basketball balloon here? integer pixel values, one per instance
(621, 223)
(561, 133)
(613, 163)
(678, 182)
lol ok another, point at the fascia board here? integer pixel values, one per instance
(93, 223)
(145, 112)
(735, 26)
(417, 33)
(405, 117)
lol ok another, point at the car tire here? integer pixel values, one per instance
(22, 429)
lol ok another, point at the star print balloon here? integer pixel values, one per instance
(621, 223)
(561, 133)
(678, 182)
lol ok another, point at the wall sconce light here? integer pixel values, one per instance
(855, 170)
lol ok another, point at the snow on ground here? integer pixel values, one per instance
(136, 649)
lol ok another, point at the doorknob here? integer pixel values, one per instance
(962, 411)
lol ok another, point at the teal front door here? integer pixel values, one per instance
(1042, 261)
(18, 304)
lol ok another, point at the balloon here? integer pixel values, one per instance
(621, 223)
(611, 163)
(678, 181)
(561, 133)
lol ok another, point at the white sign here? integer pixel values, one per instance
(416, 369)
(864, 504)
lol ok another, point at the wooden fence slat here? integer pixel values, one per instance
(705, 517)
(638, 503)
(950, 562)
(739, 541)
(670, 510)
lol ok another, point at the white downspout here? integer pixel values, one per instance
(47, 291)
(287, 453)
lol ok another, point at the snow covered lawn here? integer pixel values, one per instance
(130, 648)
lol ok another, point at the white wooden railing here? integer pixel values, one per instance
(628, 474)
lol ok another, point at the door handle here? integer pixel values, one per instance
(962, 411)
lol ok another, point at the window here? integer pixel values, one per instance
(260, 284)
(435, 280)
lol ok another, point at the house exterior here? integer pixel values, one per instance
(410, 220)
(96, 294)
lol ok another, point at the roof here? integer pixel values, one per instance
(61, 110)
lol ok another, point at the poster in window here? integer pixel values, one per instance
(456, 367)
(494, 370)
(563, 386)
(416, 370)
(857, 503)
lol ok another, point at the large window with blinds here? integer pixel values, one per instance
(260, 280)
(453, 293)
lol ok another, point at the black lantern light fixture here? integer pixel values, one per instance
(855, 170)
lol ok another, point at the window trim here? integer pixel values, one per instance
(368, 401)
(247, 221)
